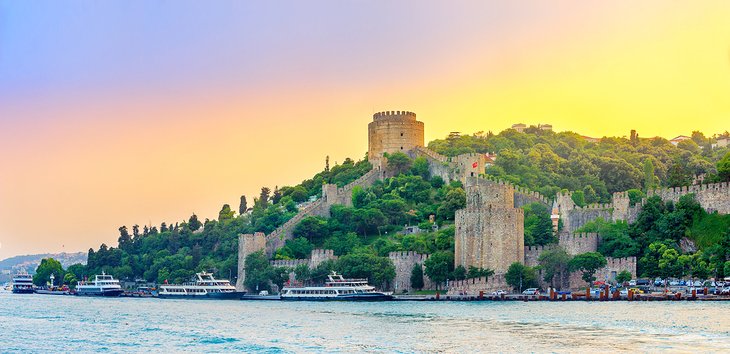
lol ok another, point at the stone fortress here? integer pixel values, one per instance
(489, 230)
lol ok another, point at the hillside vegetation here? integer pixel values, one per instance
(372, 227)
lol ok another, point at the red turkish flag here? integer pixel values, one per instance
(474, 165)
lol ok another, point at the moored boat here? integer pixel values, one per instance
(205, 286)
(23, 284)
(336, 288)
(103, 285)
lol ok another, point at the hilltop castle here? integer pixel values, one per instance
(490, 229)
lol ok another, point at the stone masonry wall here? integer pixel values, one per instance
(489, 231)
(712, 197)
(404, 262)
(579, 243)
(475, 285)
(247, 244)
(393, 131)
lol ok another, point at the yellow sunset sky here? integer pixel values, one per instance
(117, 114)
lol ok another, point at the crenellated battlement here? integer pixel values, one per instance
(408, 256)
(288, 263)
(596, 206)
(404, 261)
(394, 114)
(712, 197)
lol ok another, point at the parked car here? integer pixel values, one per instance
(632, 282)
(642, 282)
(725, 291)
(499, 293)
(531, 291)
(658, 282)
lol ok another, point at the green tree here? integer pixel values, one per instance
(538, 226)
(302, 273)
(579, 198)
(313, 228)
(723, 168)
(296, 248)
(258, 272)
(623, 276)
(475, 272)
(587, 263)
(47, 267)
(263, 201)
(520, 277)
(459, 273)
(417, 277)
(455, 200)
(243, 206)
(669, 265)
(193, 223)
(649, 183)
(70, 280)
(420, 168)
(398, 163)
(379, 270)
(438, 267)
(226, 213)
(554, 262)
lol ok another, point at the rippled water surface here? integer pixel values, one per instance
(37, 323)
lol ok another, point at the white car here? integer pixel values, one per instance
(531, 291)
(499, 293)
(632, 282)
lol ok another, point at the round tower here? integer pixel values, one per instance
(393, 131)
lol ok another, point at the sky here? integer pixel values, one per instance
(140, 112)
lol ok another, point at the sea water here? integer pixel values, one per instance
(38, 323)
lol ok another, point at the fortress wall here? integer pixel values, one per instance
(712, 197)
(490, 237)
(532, 253)
(576, 218)
(404, 262)
(579, 243)
(247, 244)
(331, 195)
(320, 255)
(474, 286)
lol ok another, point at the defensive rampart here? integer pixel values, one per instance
(331, 195)
(404, 262)
(712, 197)
(474, 286)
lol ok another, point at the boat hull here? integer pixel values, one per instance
(98, 292)
(348, 297)
(22, 291)
(209, 296)
(52, 292)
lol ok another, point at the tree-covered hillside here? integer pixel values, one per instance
(374, 225)
(548, 162)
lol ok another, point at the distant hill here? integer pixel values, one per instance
(30, 262)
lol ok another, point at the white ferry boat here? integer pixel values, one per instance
(23, 284)
(103, 285)
(204, 287)
(335, 288)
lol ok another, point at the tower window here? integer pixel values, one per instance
(401, 148)
(401, 134)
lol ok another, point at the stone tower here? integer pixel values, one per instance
(490, 230)
(393, 131)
